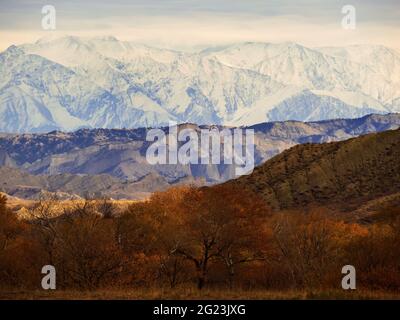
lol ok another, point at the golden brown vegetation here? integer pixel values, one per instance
(220, 239)
(184, 293)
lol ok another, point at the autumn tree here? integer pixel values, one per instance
(309, 244)
(219, 223)
(17, 252)
(88, 254)
(10, 226)
(376, 254)
(146, 230)
(43, 218)
(106, 208)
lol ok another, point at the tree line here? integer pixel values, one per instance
(222, 237)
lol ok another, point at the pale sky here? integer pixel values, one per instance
(193, 24)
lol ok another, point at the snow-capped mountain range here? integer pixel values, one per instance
(69, 83)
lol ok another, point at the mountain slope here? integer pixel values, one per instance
(330, 69)
(39, 95)
(20, 184)
(336, 173)
(70, 82)
(176, 86)
(121, 153)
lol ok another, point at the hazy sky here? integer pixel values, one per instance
(189, 24)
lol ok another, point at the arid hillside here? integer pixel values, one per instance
(344, 174)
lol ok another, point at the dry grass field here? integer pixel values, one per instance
(193, 294)
(23, 207)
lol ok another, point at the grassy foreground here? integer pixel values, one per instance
(192, 294)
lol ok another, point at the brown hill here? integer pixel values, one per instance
(20, 184)
(344, 174)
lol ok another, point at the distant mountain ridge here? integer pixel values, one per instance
(69, 83)
(112, 161)
(20, 184)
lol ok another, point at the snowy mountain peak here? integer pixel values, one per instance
(70, 82)
(13, 51)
